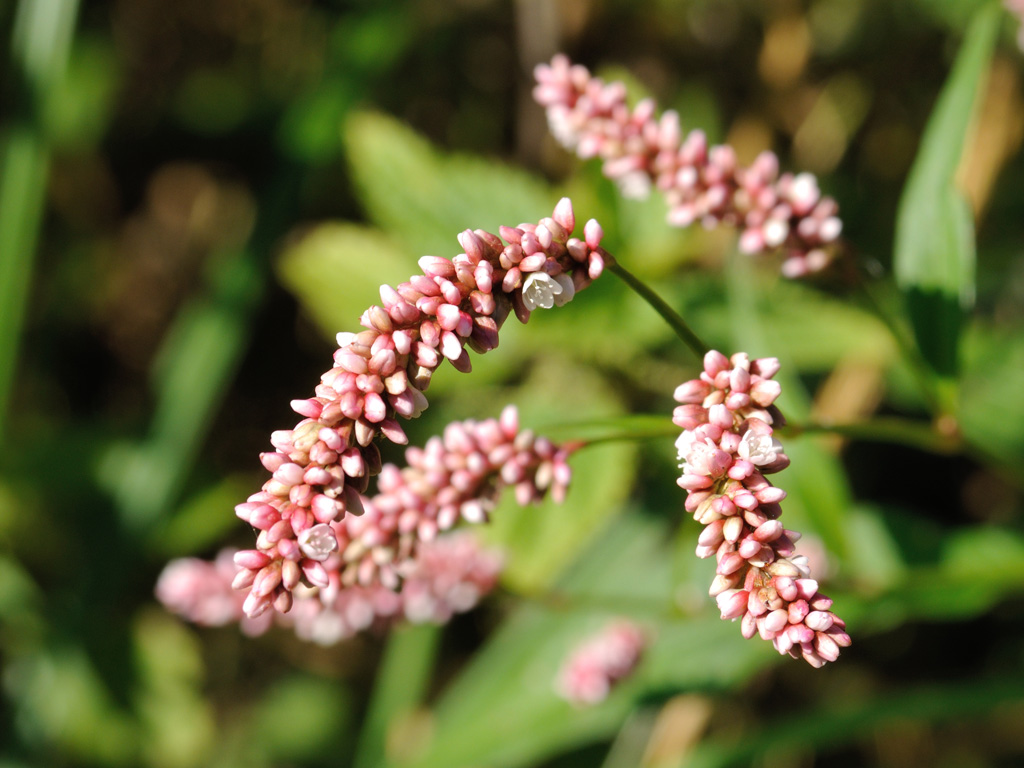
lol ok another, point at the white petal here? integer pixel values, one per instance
(568, 289)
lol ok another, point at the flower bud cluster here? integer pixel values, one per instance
(451, 575)
(456, 476)
(700, 183)
(322, 466)
(596, 665)
(726, 449)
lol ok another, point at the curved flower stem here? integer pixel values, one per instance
(658, 304)
(561, 601)
(596, 431)
(914, 434)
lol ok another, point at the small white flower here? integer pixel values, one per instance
(759, 449)
(775, 232)
(568, 290)
(544, 291)
(635, 185)
(562, 127)
(684, 444)
(802, 564)
(317, 543)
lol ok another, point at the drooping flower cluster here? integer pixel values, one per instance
(457, 476)
(595, 666)
(726, 449)
(323, 465)
(450, 575)
(700, 183)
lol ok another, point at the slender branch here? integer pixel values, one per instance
(594, 432)
(914, 434)
(659, 305)
(887, 429)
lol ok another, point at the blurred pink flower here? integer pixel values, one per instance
(599, 663)
(700, 183)
(451, 575)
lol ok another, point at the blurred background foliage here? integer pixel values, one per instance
(195, 196)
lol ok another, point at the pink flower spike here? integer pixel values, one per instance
(639, 151)
(725, 450)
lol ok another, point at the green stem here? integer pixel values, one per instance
(592, 432)
(659, 305)
(915, 434)
(43, 30)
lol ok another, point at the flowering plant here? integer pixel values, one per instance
(697, 427)
(330, 560)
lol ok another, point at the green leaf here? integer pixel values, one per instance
(178, 723)
(426, 198)
(402, 680)
(503, 709)
(934, 261)
(303, 717)
(198, 356)
(64, 705)
(991, 408)
(201, 521)
(844, 721)
(540, 540)
(336, 271)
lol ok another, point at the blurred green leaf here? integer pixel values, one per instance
(876, 562)
(79, 108)
(425, 198)
(375, 39)
(402, 680)
(336, 271)
(21, 598)
(813, 332)
(540, 540)
(956, 14)
(302, 717)
(178, 722)
(976, 569)
(981, 551)
(991, 406)
(202, 520)
(190, 376)
(309, 128)
(844, 721)
(507, 690)
(934, 260)
(64, 705)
